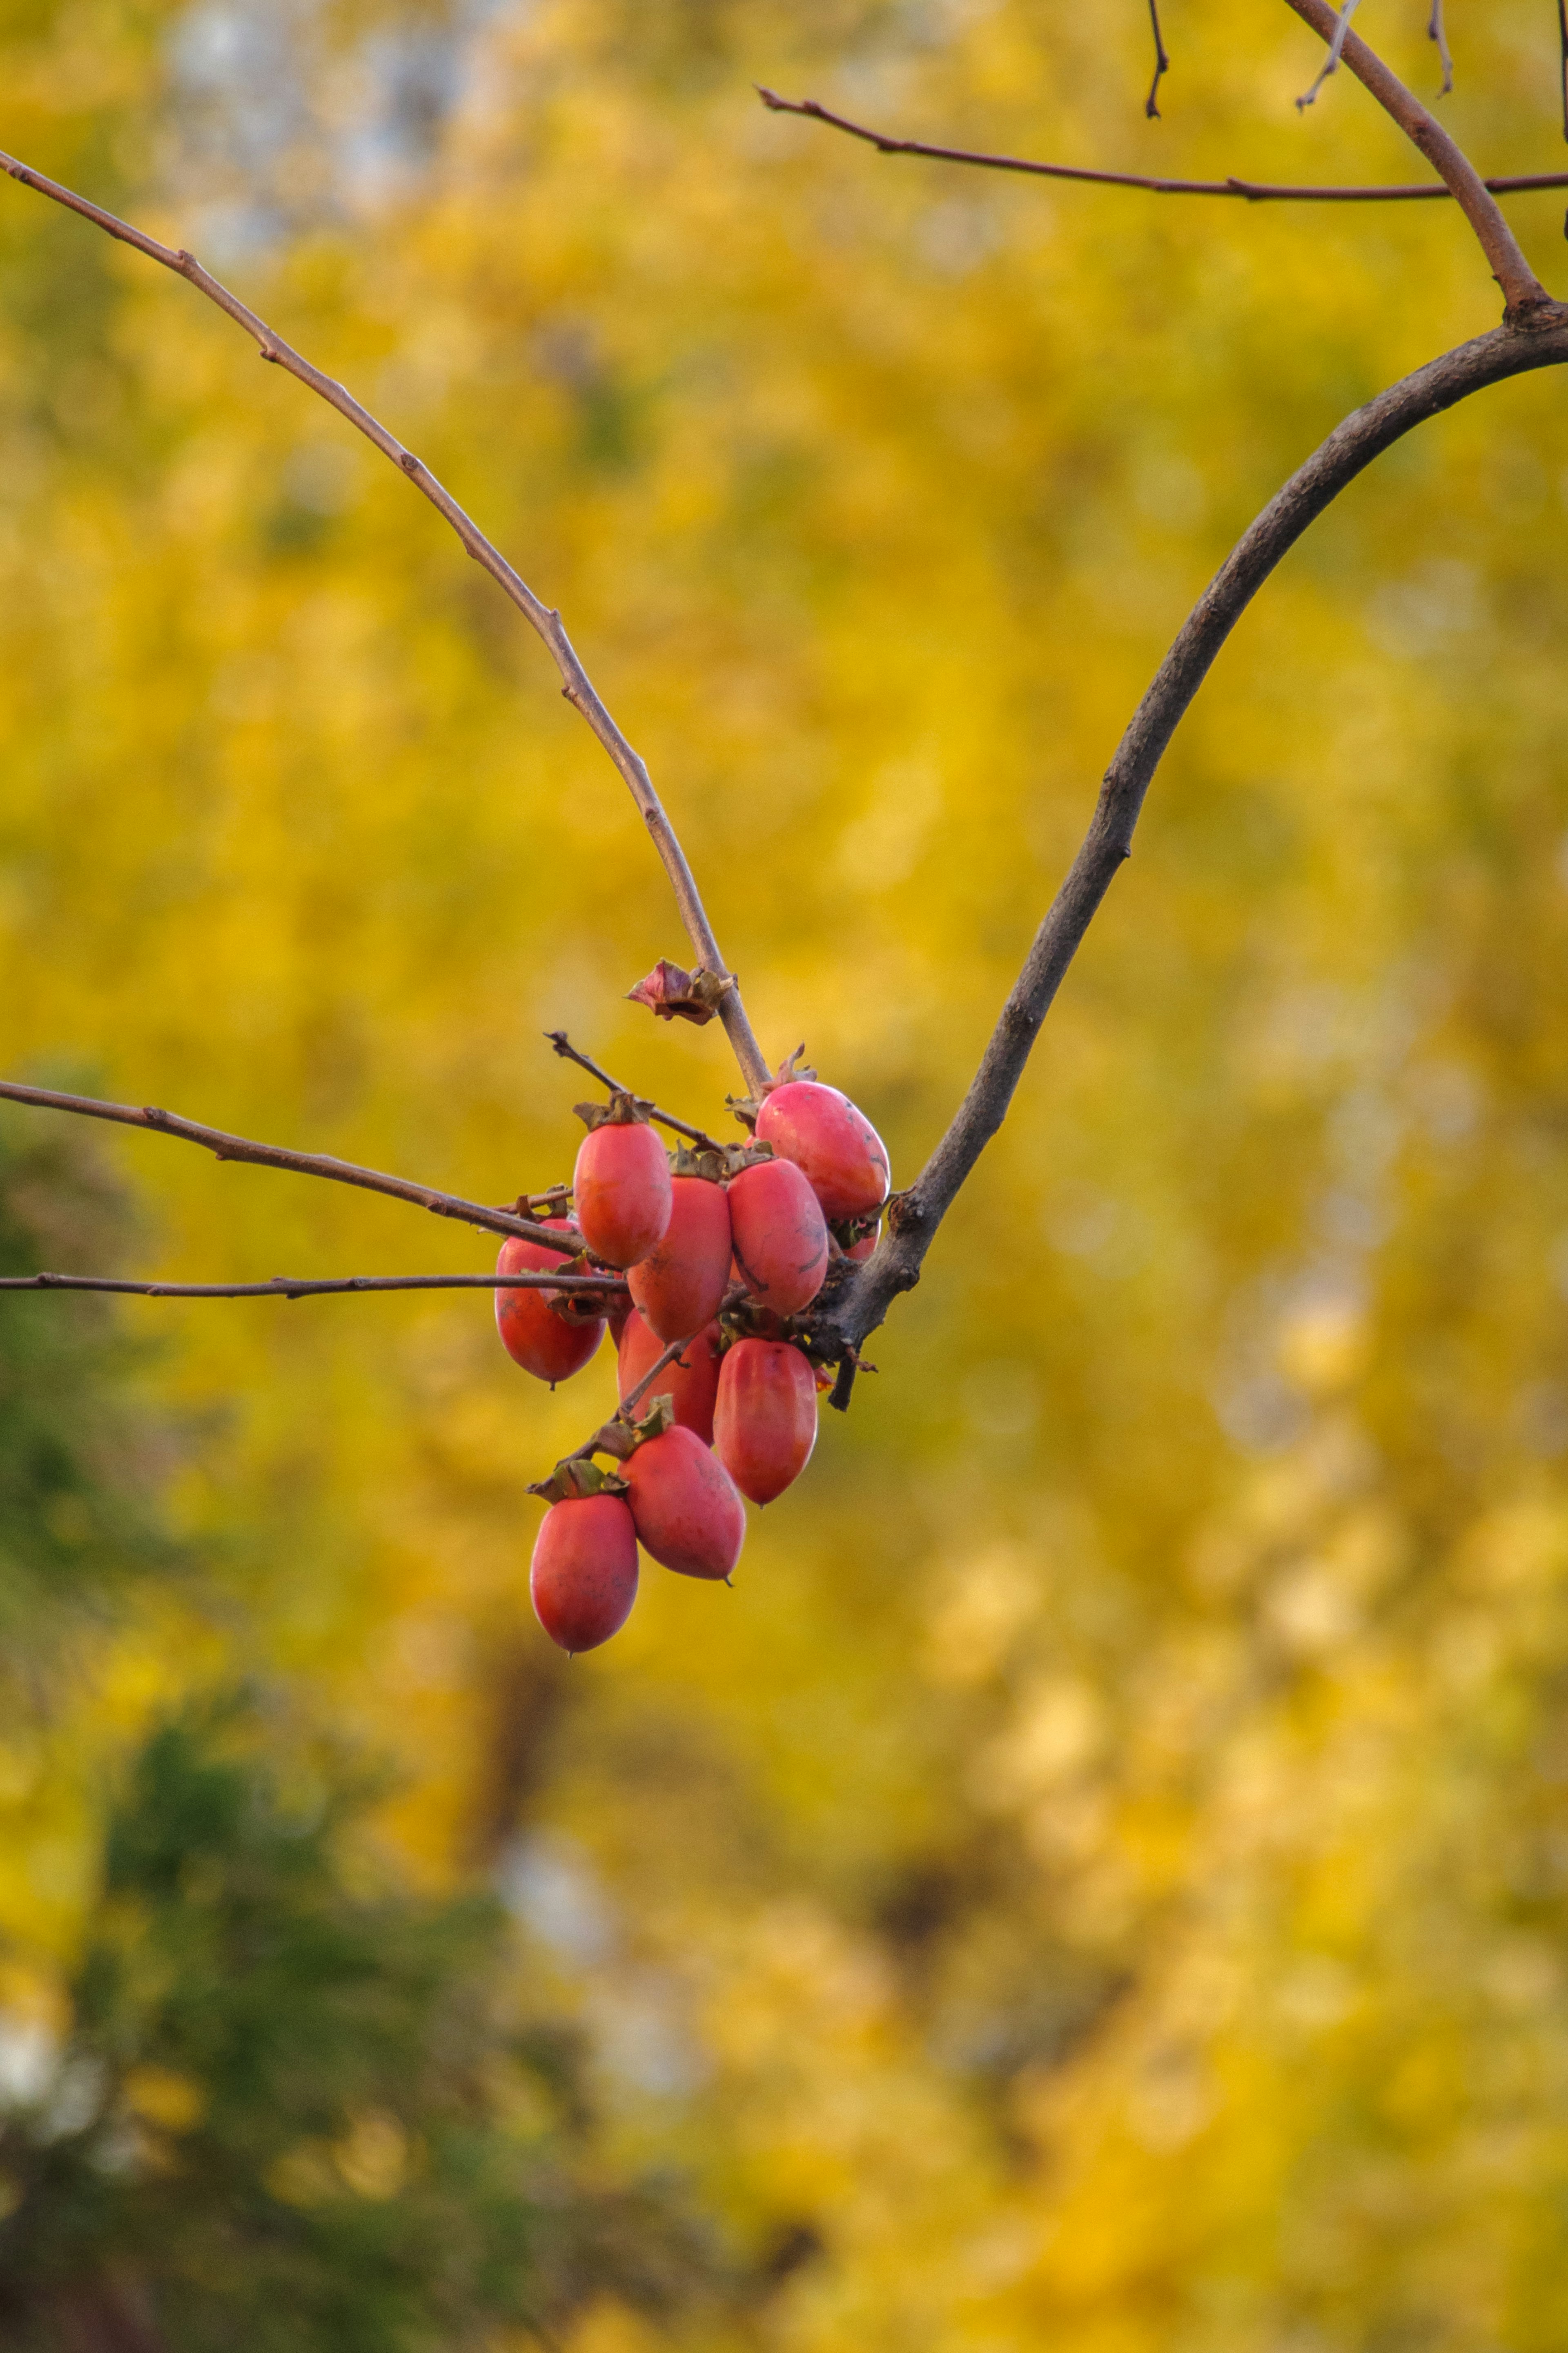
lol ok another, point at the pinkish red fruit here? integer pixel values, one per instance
(764, 1424)
(681, 1285)
(584, 1577)
(835, 1147)
(546, 1345)
(621, 1191)
(685, 1506)
(691, 1382)
(779, 1234)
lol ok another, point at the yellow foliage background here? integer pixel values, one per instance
(1101, 1878)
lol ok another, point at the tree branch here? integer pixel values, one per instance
(1437, 31)
(299, 1163)
(1536, 338)
(576, 686)
(1522, 290)
(1162, 64)
(290, 1286)
(1254, 192)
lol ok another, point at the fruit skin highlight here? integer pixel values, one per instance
(549, 1347)
(691, 1382)
(584, 1575)
(780, 1235)
(621, 1185)
(688, 1513)
(764, 1424)
(681, 1285)
(831, 1141)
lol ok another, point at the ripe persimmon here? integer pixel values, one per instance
(688, 1513)
(780, 1235)
(831, 1141)
(584, 1575)
(681, 1285)
(764, 1421)
(621, 1185)
(550, 1344)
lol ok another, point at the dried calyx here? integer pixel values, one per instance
(578, 1475)
(575, 1479)
(718, 1162)
(671, 993)
(621, 1110)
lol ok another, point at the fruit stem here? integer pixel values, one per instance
(699, 1136)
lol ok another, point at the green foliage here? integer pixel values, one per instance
(291, 2105)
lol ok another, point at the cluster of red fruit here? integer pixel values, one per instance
(722, 1247)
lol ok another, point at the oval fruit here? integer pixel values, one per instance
(621, 1191)
(681, 1285)
(765, 1425)
(548, 1346)
(685, 1506)
(780, 1235)
(584, 1575)
(690, 1383)
(833, 1143)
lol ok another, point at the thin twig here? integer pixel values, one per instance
(1522, 290)
(543, 619)
(299, 1163)
(1437, 31)
(634, 1397)
(1536, 338)
(288, 1286)
(1253, 192)
(1161, 65)
(699, 1136)
(1330, 64)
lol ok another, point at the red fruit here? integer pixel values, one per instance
(691, 1382)
(838, 1149)
(681, 1285)
(621, 1191)
(780, 1236)
(764, 1424)
(584, 1578)
(684, 1503)
(546, 1345)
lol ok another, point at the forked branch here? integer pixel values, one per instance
(298, 1164)
(575, 684)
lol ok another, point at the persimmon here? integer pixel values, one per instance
(831, 1141)
(621, 1185)
(681, 1285)
(691, 1382)
(584, 1575)
(545, 1342)
(780, 1235)
(687, 1510)
(764, 1421)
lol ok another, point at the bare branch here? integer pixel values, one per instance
(290, 1286)
(853, 1305)
(298, 1164)
(1162, 64)
(564, 1046)
(1254, 192)
(576, 686)
(1522, 290)
(1332, 62)
(1437, 31)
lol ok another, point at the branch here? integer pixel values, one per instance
(853, 1306)
(699, 1136)
(1522, 290)
(576, 687)
(1563, 52)
(1437, 31)
(291, 1286)
(1162, 64)
(299, 1163)
(1255, 192)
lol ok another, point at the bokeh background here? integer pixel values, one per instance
(1100, 1879)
